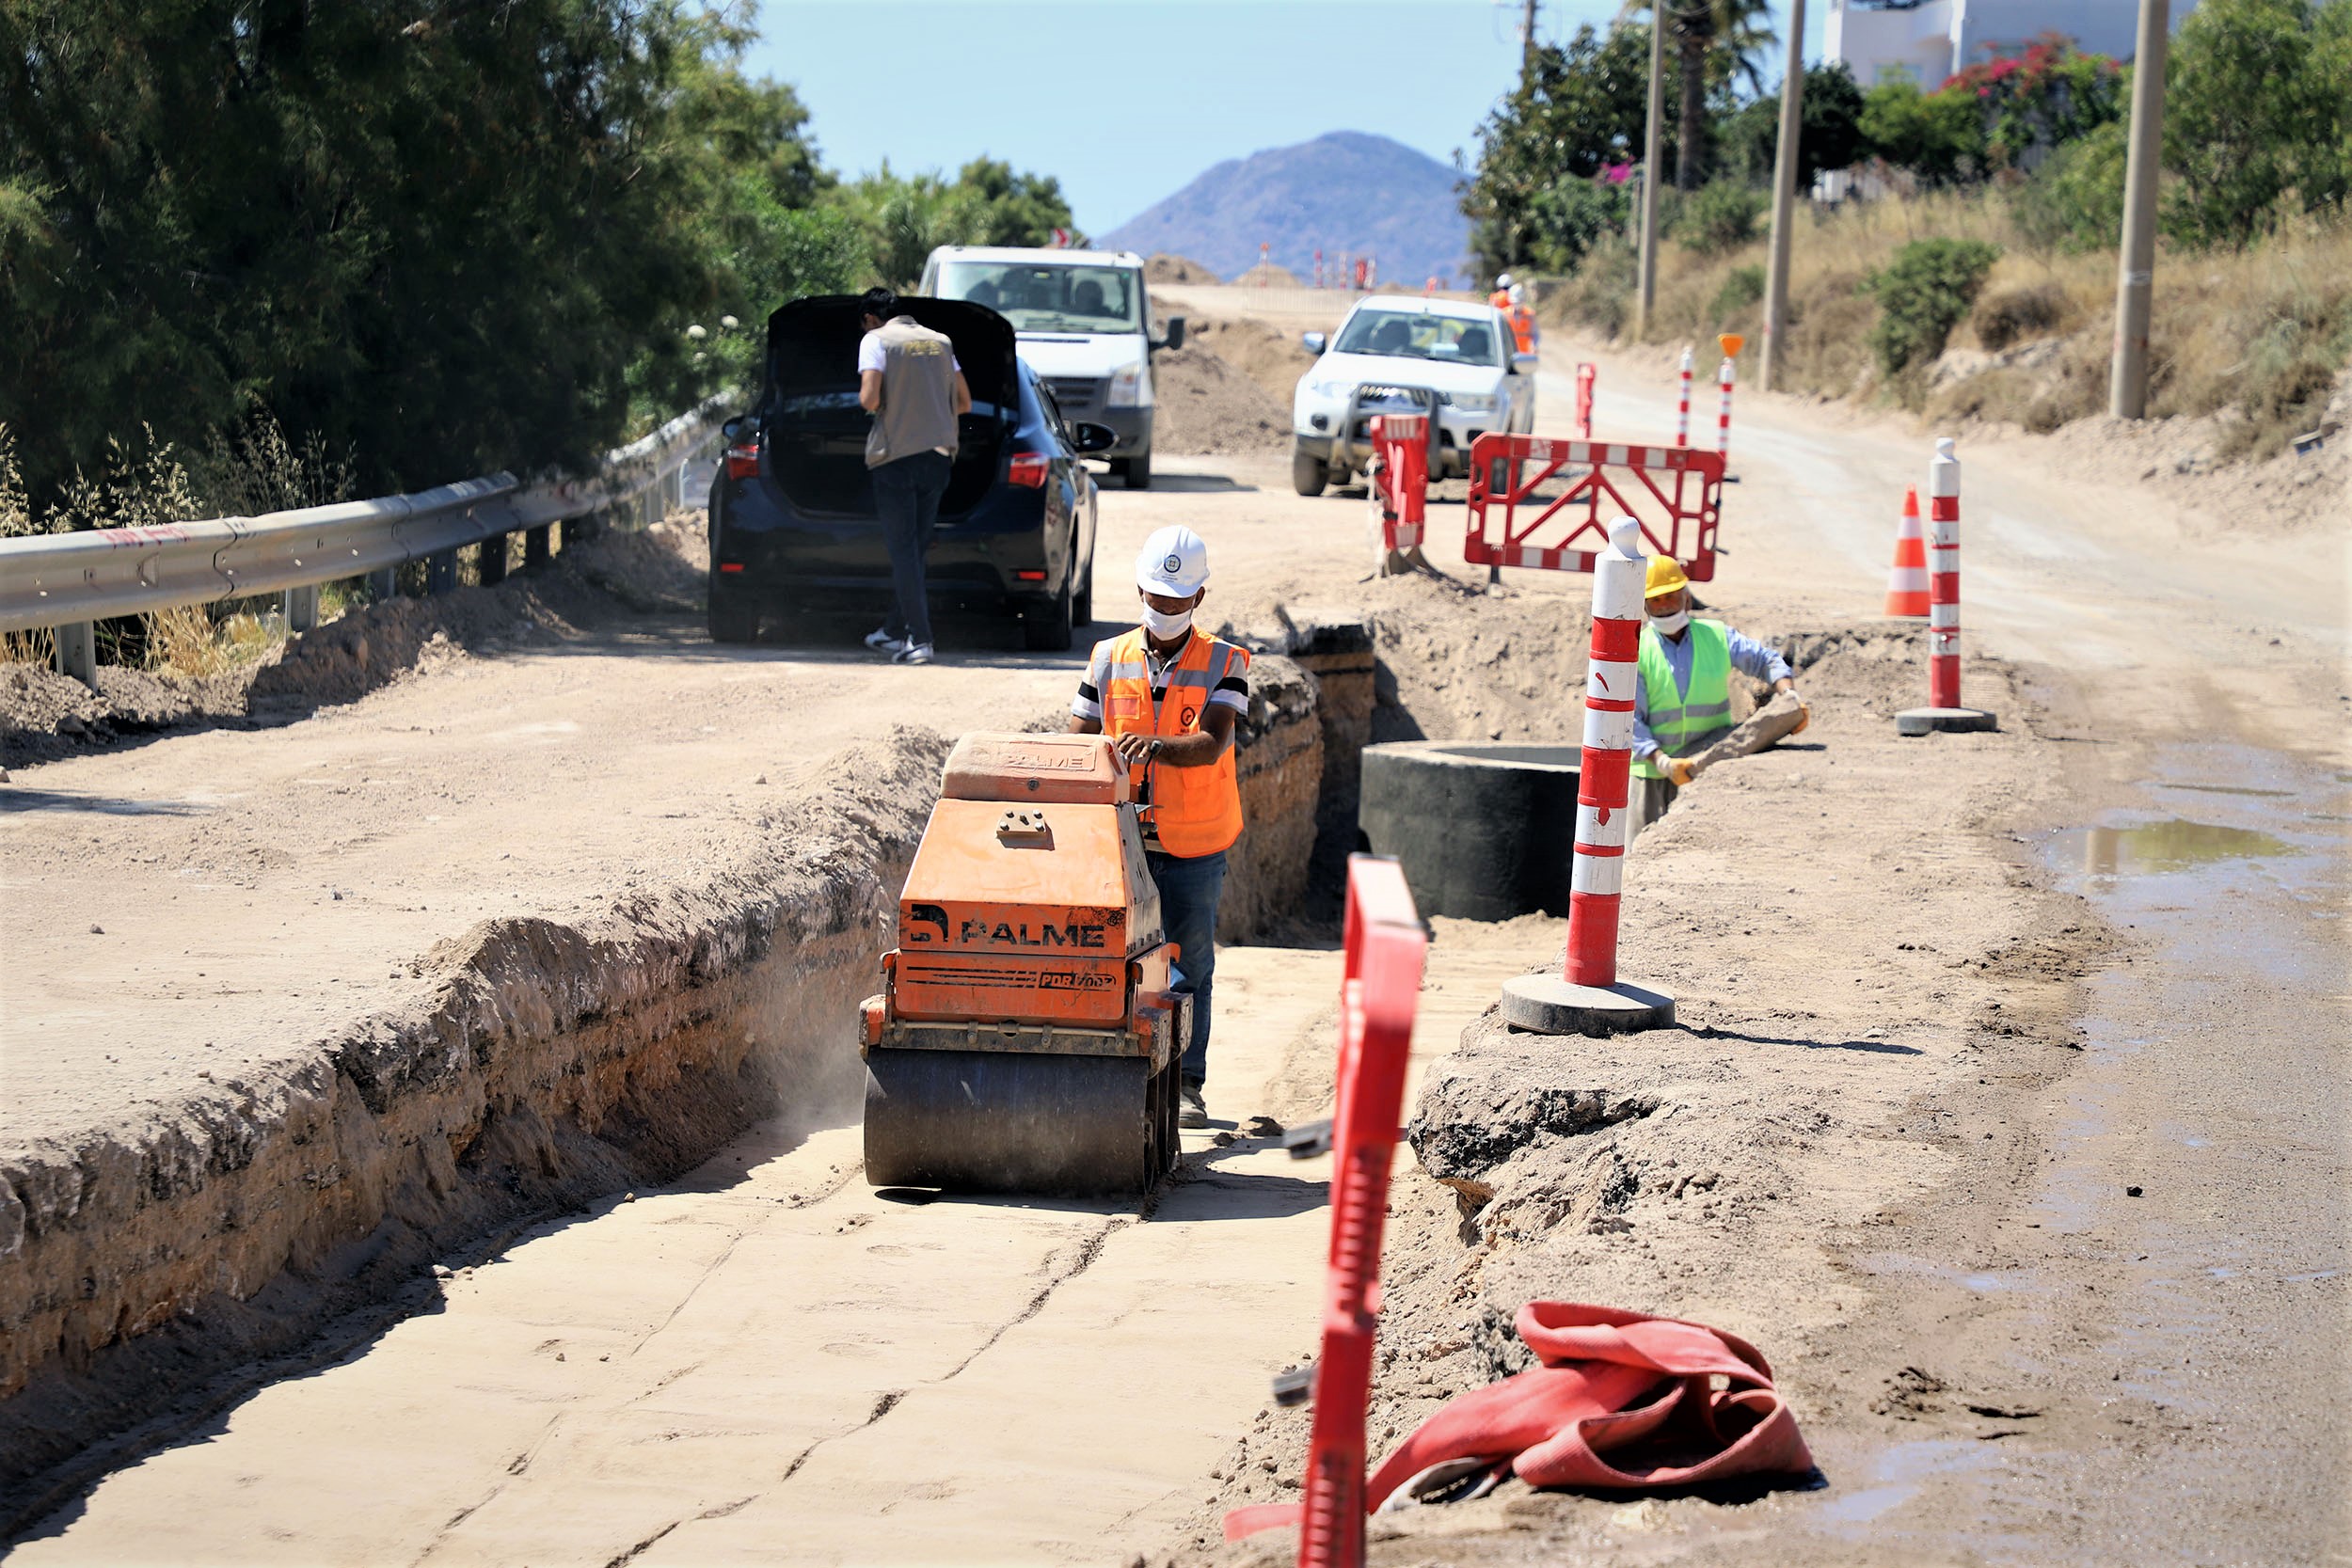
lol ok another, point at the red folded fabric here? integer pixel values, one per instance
(1639, 1388)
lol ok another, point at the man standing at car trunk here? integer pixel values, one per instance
(909, 380)
(1167, 694)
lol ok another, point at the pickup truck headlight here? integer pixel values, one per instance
(1339, 387)
(1470, 402)
(1126, 386)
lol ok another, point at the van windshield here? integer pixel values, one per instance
(1417, 335)
(1048, 297)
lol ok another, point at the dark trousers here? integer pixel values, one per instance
(1190, 886)
(906, 498)
(1648, 800)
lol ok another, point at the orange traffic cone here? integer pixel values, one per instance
(1907, 584)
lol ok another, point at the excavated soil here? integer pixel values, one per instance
(1272, 358)
(1162, 268)
(1208, 405)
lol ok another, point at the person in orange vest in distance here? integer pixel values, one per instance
(1524, 332)
(1501, 298)
(1167, 694)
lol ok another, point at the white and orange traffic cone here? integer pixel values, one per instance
(1907, 583)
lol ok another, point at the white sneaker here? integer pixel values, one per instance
(881, 642)
(912, 653)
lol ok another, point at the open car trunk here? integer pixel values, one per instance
(816, 431)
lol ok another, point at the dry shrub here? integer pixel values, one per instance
(2016, 315)
(195, 641)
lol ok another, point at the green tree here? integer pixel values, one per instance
(1715, 42)
(1577, 113)
(905, 218)
(1923, 292)
(443, 235)
(2258, 108)
(1938, 138)
(1829, 137)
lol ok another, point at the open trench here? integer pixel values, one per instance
(319, 1227)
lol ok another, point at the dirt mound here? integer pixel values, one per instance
(1265, 275)
(1208, 405)
(1266, 354)
(1164, 268)
(658, 571)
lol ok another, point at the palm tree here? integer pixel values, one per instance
(1734, 31)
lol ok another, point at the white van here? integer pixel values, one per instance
(1083, 323)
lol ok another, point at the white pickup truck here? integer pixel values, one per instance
(1083, 323)
(1402, 351)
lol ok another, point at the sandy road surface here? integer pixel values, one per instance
(929, 1415)
(701, 1374)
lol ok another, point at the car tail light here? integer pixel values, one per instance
(730, 565)
(743, 461)
(1029, 469)
(1028, 577)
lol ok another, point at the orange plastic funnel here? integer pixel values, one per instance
(1732, 342)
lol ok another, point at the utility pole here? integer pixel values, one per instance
(1646, 295)
(2127, 384)
(1527, 38)
(1783, 195)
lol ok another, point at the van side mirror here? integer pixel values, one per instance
(1086, 437)
(1525, 363)
(1175, 339)
(1314, 341)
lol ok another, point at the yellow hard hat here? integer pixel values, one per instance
(1666, 576)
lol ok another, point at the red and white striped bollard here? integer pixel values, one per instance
(1722, 416)
(1943, 710)
(1682, 412)
(1588, 998)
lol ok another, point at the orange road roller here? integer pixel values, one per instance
(1025, 1040)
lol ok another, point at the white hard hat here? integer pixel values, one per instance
(1503, 281)
(1173, 561)
(1519, 293)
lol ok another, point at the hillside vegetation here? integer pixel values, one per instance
(1978, 279)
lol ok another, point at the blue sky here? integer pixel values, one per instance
(1126, 100)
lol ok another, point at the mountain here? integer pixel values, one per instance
(1348, 193)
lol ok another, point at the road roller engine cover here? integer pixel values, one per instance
(1025, 1037)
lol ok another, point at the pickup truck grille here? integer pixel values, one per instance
(1076, 393)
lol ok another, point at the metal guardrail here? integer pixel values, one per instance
(68, 581)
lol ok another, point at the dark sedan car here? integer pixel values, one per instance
(793, 522)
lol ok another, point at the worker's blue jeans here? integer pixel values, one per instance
(1190, 886)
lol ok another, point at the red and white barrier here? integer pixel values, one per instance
(1536, 501)
(1943, 710)
(1683, 410)
(1611, 679)
(1907, 580)
(1399, 487)
(1587, 374)
(1944, 578)
(1386, 943)
(1722, 416)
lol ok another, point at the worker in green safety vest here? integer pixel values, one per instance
(1682, 704)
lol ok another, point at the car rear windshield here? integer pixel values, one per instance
(1414, 335)
(1049, 297)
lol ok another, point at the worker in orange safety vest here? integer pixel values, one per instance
(1523, 329)
(1167, 694)
(1501, 298)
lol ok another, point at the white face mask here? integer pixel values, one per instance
(1672, 626)
(1166, 625)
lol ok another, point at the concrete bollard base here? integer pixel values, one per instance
(1548, 1004)
(1955, 721)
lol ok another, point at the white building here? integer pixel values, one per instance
(1927, 41)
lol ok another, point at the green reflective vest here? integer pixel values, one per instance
(1686, 721)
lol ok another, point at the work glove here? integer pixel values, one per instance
(1677, 769)
(1805, 712)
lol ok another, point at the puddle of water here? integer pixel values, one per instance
(1984, 1281)
(1897, 1475)
(2172, 845)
